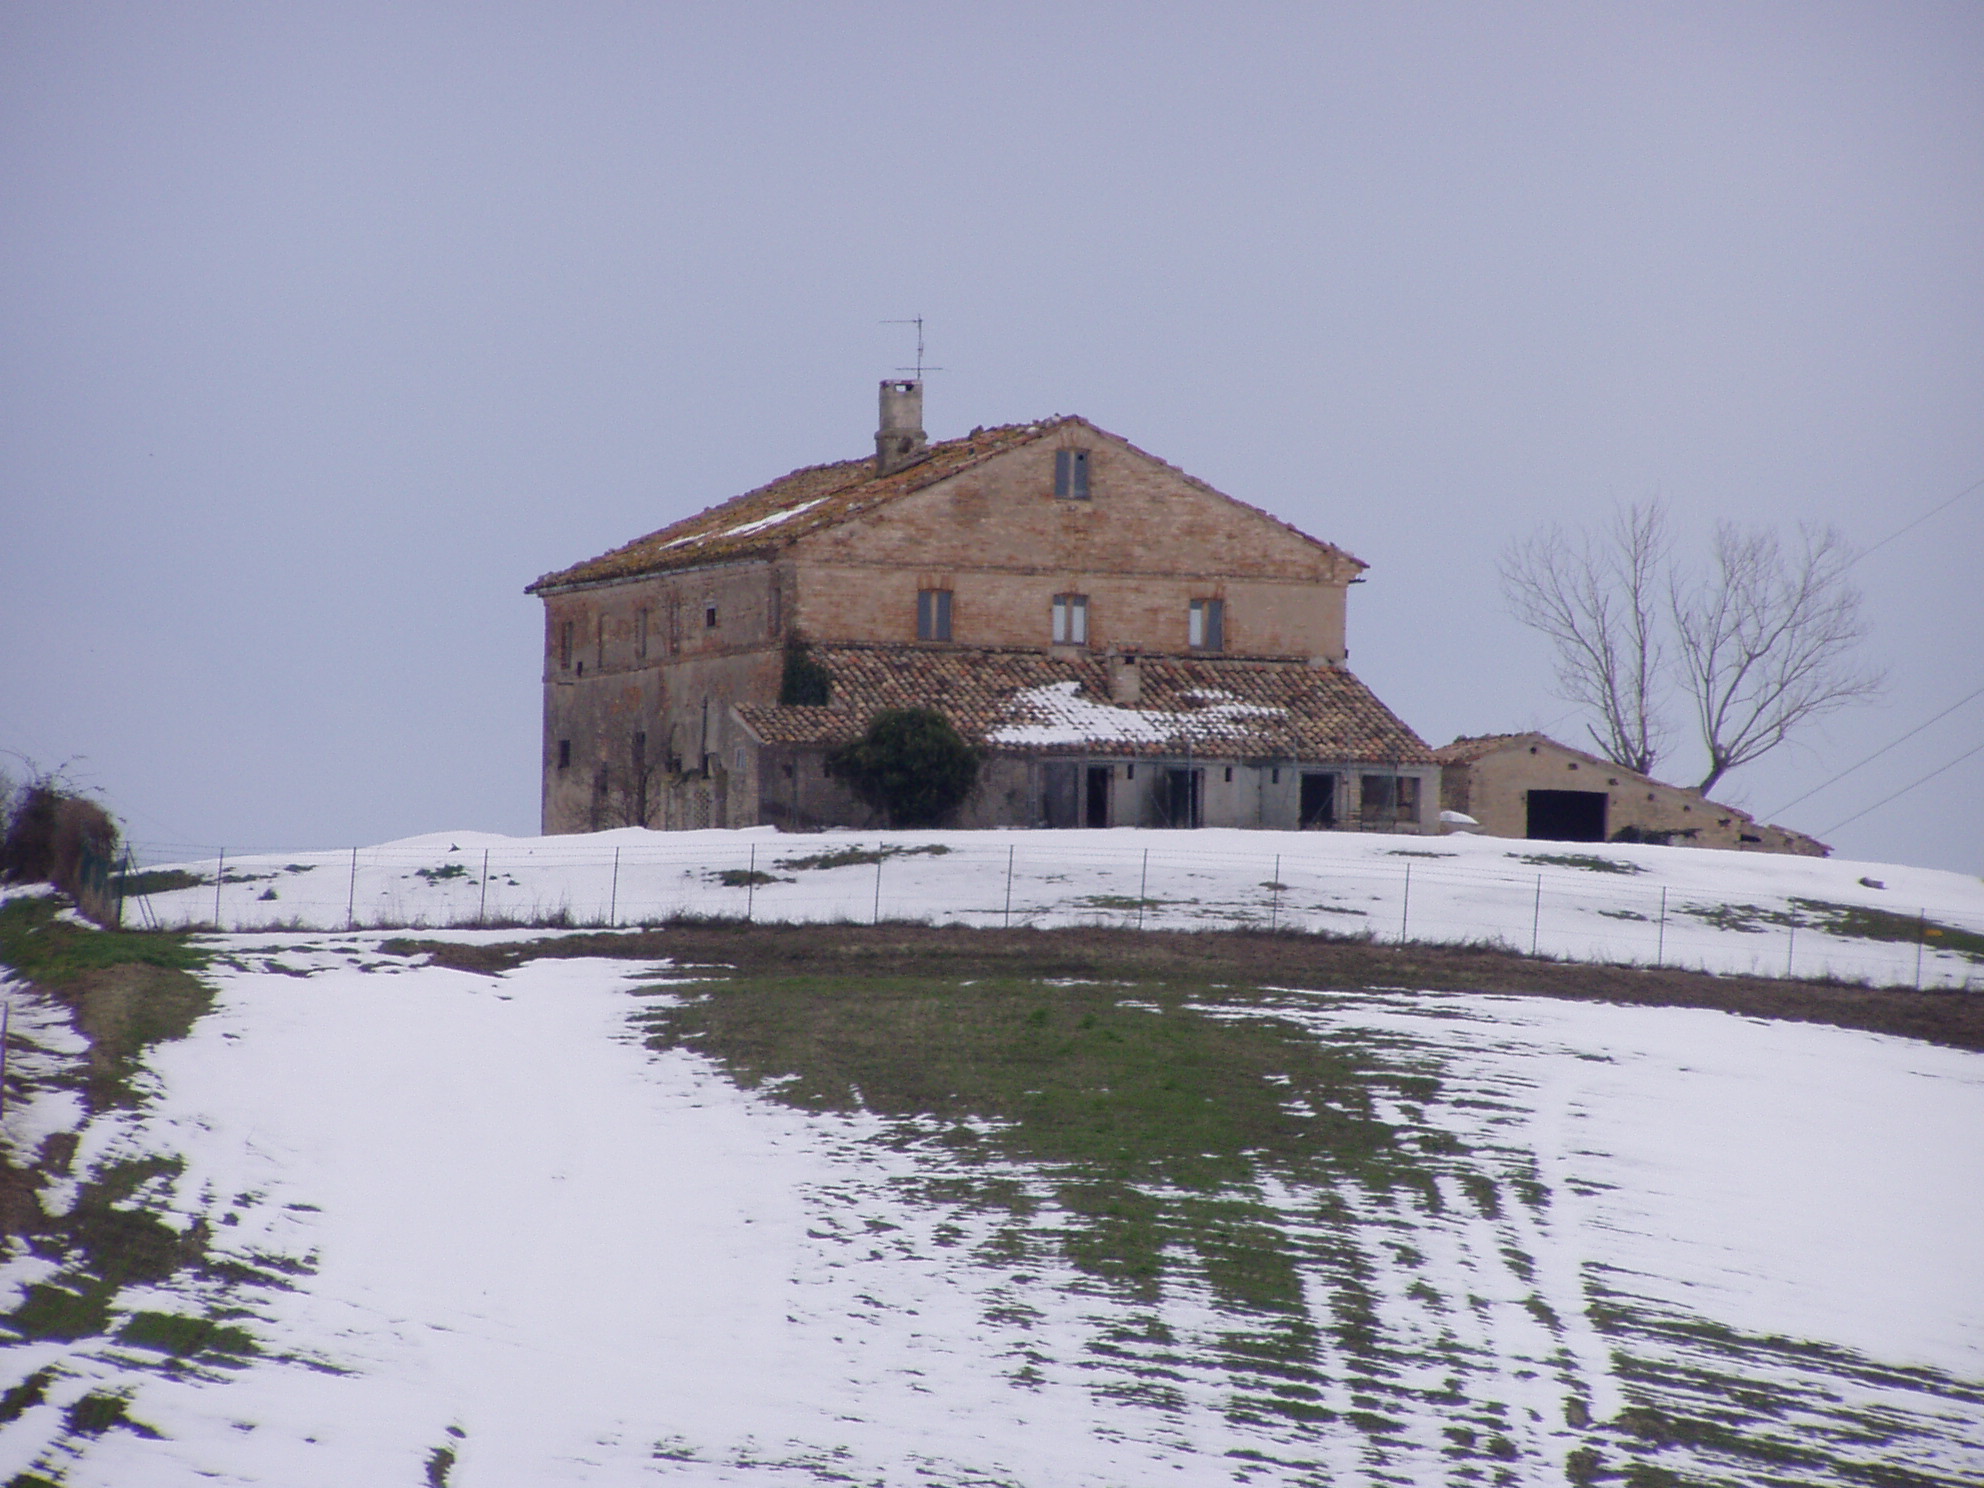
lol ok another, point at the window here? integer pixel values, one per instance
(641, 635)
(564, 754)
(709, 615)
(1393, 797)
(565, 645)
(1071, 619)
(1205, 627)
(1071, 475)
(933, 614)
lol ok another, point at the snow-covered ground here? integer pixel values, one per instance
(506, 1230)
(1722, 911)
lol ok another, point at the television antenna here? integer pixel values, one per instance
(919, 369)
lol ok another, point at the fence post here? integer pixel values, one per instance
(1143, 889)
(1274, 899)
(1660, 944)
(875, 918)
(220, 872)
(1009, 885)
(1790, 950)
(1921, 939)
(1405, 908)
(1536, 915)
(351, 895)
(482, 906)
(613, 897)
(751, 884)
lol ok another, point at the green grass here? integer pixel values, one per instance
(53, 953)
(854, 857)
(1590, 862)
(154, 881)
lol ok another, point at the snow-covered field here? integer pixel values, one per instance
(487, 1237)
(1720, 911)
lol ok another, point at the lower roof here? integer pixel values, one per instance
(1030, 701)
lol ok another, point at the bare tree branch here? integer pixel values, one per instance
(1765, 641)
(1600, 603)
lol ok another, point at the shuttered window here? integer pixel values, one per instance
(1071, 475)
(933, 614)
(1070, 620)
(1206, 625)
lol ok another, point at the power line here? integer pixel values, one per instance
(1974, 749)
(1975, 485)
(1874, 756)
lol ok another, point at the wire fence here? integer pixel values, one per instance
(1567, 905)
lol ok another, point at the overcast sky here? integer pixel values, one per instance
(325, 328)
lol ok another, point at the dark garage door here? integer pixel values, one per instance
(1567, 816)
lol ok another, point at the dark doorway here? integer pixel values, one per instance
(1567, 816)
(1098, 795)
(1318, 801)
(1058, 801)
(1181, 797)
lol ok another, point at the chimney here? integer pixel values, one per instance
(1126, 683)
(900, 441)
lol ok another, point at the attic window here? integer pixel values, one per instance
(1071, 474)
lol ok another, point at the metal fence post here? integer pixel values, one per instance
(1274, 896)
(1143, 889)
(1660, 944)
(613, 897)
(875, 918)
(751, 884)
(220, 872)
(482, 906)
(1536, 916)
(1010, 847)
(1921, 939)
(1405, 908)
(1790, 950)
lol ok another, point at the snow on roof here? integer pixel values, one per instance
(1031, 700)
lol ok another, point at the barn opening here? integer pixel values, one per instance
(1318, 800)
(1567, 816)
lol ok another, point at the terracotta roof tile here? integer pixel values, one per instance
(1029, 701)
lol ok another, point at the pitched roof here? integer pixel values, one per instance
(774, 515)
(1470, 747)
(1029, 701)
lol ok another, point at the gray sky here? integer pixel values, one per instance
(328, 327)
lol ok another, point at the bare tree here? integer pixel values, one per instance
(1600, 600)
(1766, 641)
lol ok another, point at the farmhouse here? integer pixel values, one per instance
(1529, 785)
(1128, 646)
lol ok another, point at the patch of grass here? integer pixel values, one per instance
(1590, 862)
(1860, 922)
(155, 881)
(1743, 919)
(182, 1336)
(54, 953)
(741, 878)
(1149, 1126)
(1416, 852)
(1623, 914)
(444, 872)
(853, 857)
(99, 1412)
(21, 1398)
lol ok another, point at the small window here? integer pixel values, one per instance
(709, 617)
(564, 754)
(1274, 777)
(565, 645)
(1205, 626)
(1229, 772)
(742, 759)
(933, 614)
(641, 635)
(1393, 797)
(1071, 475)
(1071, 619)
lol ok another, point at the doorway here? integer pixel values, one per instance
(1318, 802)
(1096, 813)
(1182, 792)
